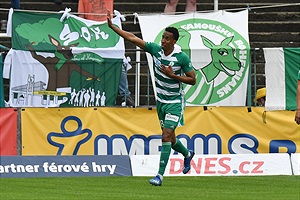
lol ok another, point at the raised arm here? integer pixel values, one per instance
(126, 35)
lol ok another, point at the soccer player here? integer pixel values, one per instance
(172, 67)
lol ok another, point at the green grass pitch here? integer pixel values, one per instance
(187, 188)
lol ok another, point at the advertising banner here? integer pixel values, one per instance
(61, 60)
(62, 166)
(218, 46)
(295, 161)
(136, 131)
(8, 131)
(216, 165)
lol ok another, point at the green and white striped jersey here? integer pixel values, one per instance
(168, 90)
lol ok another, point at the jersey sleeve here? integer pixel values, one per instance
(187, 65)
(152, 47)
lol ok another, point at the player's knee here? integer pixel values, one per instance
(168, 135)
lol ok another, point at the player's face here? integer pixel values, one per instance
(167, 41)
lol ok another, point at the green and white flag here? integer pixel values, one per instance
(1, 84)
(61, 60)
(281, 69)
(218, 46)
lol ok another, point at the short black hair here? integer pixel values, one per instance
(174, 31)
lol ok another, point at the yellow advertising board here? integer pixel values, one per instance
(136, 131)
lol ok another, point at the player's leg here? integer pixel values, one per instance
(174, 118)
(166, 147)
(179, 147)
(188, 155)
(168, 138)
(177, 111)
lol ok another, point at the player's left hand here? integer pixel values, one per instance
(167, 70)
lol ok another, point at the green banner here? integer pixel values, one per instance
(218, 46)
(1, 84)
(281, 69)
(292, 66)
(61, 60)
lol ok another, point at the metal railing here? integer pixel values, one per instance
(252, 78)
(140, 63)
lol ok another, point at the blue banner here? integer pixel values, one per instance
(63, 166)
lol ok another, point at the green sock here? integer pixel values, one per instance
(164, 157)
(178, 146)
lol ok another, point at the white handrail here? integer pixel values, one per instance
(3, 35)
(216, 5)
